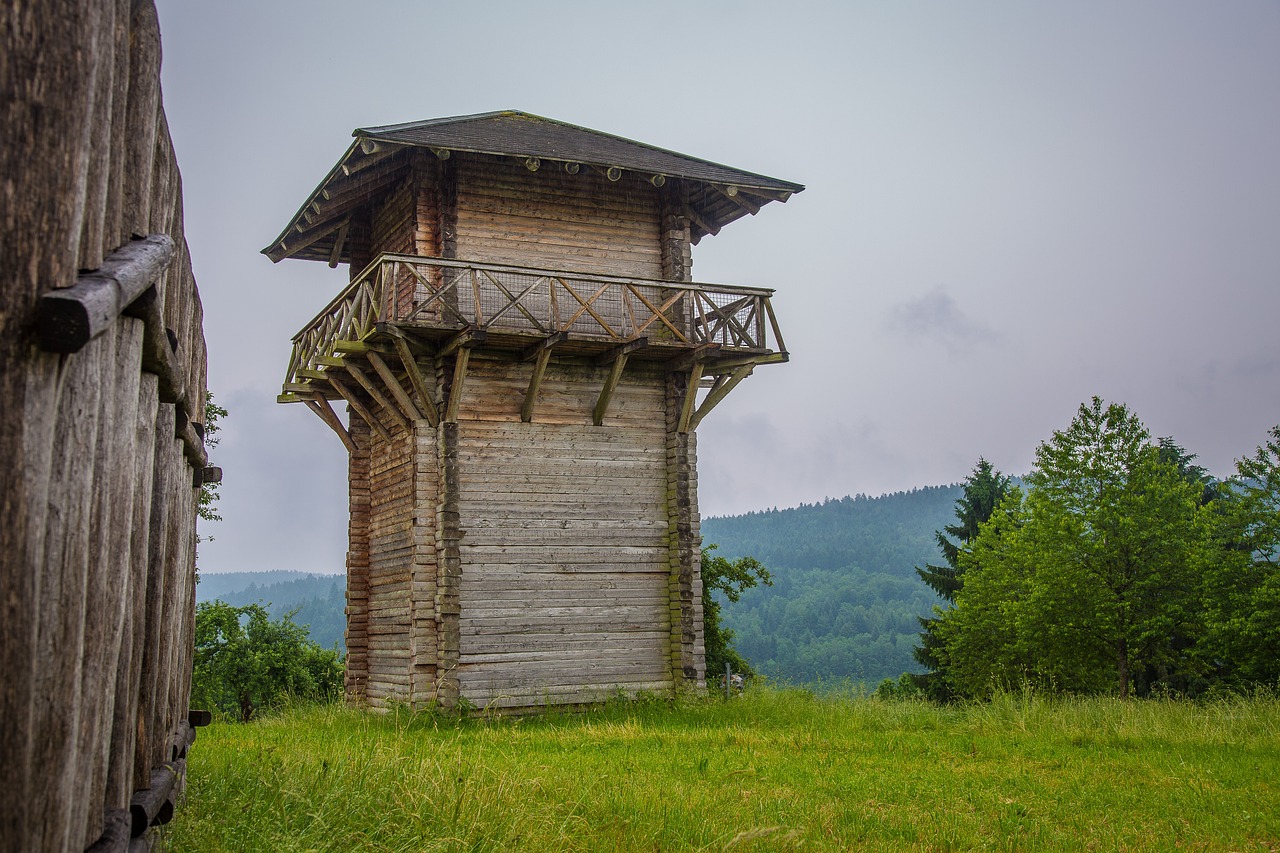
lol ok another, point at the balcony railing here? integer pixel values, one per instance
(434, 293)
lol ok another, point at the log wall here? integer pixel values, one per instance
(392, 564)
(98, 490)
(564, 557)
(553, 220)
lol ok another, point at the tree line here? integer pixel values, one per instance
(844, 601)
(1119, 567)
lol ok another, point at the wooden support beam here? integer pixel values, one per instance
(351, 347)
(335, 254)
(546, 343)
(606, 393)
(700, 222)
(312, 373)
(332, 361)
(535, 381)
(621, 351)
(767, 195)
(773, 323)
(69, 318)
(146, 804)
(718, 394)
(465, 339)
(394, 386)
(418, 381)
(393, 330)
(376, 393)
(455, 390)
(702, 352)
(690, 397)
(720, 365)
(366, 161)
(304, 239)
(320, 405)
(303, 388)
(359, 408)
(738, 198)
(159, 346)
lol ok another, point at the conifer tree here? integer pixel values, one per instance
(984, 488)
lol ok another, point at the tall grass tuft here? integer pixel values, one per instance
(772, 770)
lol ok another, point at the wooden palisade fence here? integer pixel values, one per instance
(102, 389)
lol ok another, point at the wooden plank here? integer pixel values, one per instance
(564, 696)
(718, 394)
(377, 395)
(456, 389)
(535, 381)
(320, 405)
(690, 397)
(610, 384)
(359, 407)
(393, 385)
(419, 382)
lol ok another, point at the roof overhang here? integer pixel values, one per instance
(378, 159)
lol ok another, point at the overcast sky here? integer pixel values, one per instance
(1011, 207)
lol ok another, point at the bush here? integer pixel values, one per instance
(246, 661)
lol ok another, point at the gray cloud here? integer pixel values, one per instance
(937, 317)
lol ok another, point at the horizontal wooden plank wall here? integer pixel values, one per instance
(553, 220)
(357, 631)
(391, 549)
(564, 553)
(98, 534)
(391, 563)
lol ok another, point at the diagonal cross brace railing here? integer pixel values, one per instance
(457, 294)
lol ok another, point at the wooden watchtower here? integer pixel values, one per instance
(521, 350)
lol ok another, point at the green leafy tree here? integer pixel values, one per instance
(245, 661)
(1242, 586)
(207, 505)
(1080, 585)
(729, 577)
(984, 488)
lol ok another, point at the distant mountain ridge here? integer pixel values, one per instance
(843, 605)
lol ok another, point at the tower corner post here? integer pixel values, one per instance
(684, 537)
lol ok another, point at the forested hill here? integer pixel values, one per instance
(319, 600)
(845, 595)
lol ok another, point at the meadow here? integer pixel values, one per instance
(773, 769)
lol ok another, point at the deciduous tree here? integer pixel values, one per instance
(729, 577)
(1081, 585)
(245, 661)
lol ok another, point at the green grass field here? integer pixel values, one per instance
(772, 770)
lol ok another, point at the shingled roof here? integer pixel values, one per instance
(718, 194)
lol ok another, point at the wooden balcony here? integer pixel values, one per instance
(437, 303)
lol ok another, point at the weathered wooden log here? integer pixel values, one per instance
(68, 319)
(121, 781)
(193, 447)
(117, 826)
(159, 348)
(146, 805)
(184, 734)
